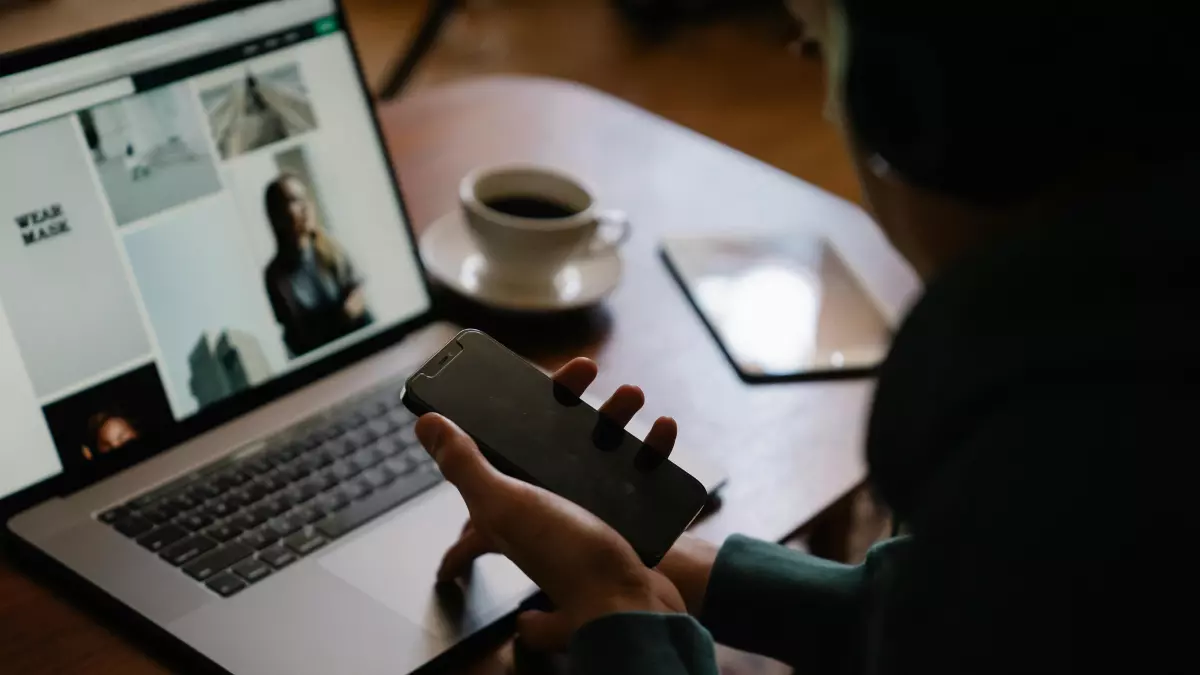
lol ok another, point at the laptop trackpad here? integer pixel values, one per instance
(395, 563)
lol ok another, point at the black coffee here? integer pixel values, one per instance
(530, 207)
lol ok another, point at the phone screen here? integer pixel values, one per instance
(535, 430)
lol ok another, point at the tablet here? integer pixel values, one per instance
(782, 308)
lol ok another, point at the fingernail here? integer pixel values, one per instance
(429, 431)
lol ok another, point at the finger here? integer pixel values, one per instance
(544, 631)
(625, 402)
(459, 459)
(459, 557)
(662, 436)
(577, 375)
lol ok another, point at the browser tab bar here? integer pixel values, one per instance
(127, 59)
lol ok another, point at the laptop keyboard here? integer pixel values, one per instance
(233, 523)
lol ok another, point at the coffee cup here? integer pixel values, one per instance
(529, 222)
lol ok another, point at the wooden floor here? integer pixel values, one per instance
(734, 80)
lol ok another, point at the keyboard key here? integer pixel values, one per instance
(390, 447)
(307, 513)
(283, 500)
(226, 585)
(379, 502)
(193, 547)
(295, 471)
(343, 470)
(258, 465)
(352, 490)
(231, 478)
(347, 446)
(252, 570)
(160, 537)
(202, 492)
(157, 514)
(389, 474)
(113, 515)
(210, 563)
(286, 524)
(321, 458)
(223, 532)
(220, 508)
(247, 520)
(288, 452)
(182, 502)
(382, 426)
(272, 482)
(307, 490)
(402, 465)
(145, 500)
(133, 526)
(196, 520)
(278, 556)
(266, 509)
(332, 501)
(408, 435)
(304, 543)
(367, 486)
(375, 477)
(325, 480)
(260, 538)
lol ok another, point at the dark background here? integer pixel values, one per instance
(137, 396)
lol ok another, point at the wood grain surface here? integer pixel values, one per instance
(790, 450)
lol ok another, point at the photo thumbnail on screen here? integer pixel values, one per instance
(315, 290)
(151, 152)
(257, 109)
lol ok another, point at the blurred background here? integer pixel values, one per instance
(747, 73)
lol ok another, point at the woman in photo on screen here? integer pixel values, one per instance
(108, 431)
(315, 292)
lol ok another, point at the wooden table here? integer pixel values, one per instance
(791, 451)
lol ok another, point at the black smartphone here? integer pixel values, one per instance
(536, 431)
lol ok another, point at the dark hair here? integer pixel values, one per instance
(997, 101)
(280, 216)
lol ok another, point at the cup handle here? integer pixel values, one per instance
(613, 230)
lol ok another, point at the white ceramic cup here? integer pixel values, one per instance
(526, 250)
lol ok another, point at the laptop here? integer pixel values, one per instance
(209, 298)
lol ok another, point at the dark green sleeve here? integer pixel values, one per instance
(643, 644)
(800, 609)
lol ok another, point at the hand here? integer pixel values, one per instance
(688, 565)
(356, 304)
(583, 565)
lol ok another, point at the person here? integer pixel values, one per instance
(1036, 165)
(108, 431)
(315, 292)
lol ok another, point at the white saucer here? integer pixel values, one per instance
(452, 258)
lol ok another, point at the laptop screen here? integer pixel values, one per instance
(186, 217)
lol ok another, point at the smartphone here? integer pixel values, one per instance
(536, 431)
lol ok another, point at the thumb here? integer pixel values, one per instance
(457, 456)
(544, 631)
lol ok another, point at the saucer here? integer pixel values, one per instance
(452, 258)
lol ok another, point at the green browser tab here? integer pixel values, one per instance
(328, 24)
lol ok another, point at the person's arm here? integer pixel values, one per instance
(797, 608)
(643, 644)
(279, 307)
